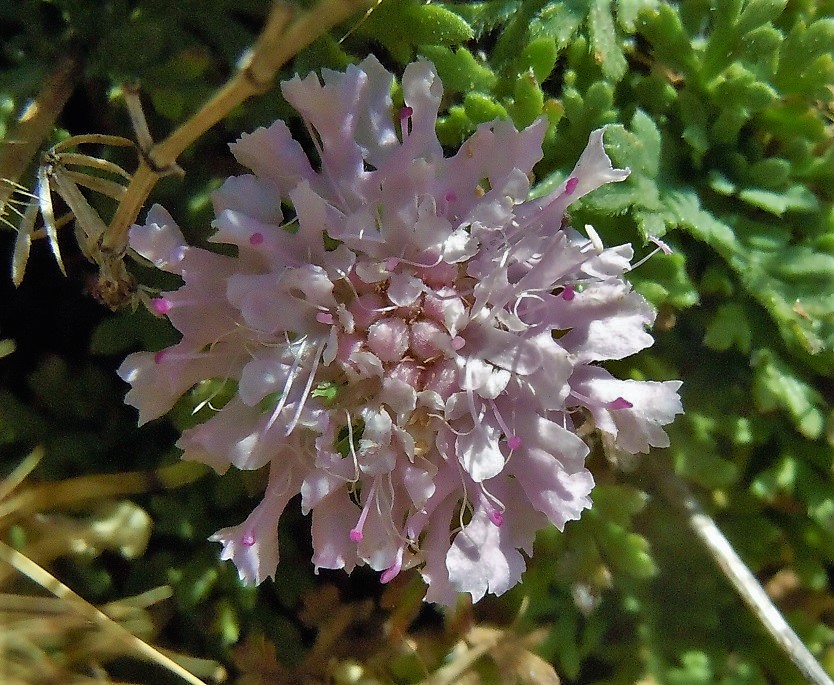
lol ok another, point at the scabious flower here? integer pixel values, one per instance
(414, 346)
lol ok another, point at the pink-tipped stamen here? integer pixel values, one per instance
(513, 442)
(247, 540)
(256, 238)
(494, 506)
(570, 185)
(356, 534)
(406, 112)
(568, 293)
(161, 305)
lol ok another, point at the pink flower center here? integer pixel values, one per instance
(159, 356)
(514, 442)
(247, 540)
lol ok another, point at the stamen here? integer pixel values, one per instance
(568, 293)
(306, 393)
(570, 186)
(663, 246)
(513, 441)
(247, 540)
(593, 236)
(352, 448)
(406, 112)
(497, 508)
(296, 364)
(256, 238)
(356, 532)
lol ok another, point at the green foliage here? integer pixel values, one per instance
(722, 109)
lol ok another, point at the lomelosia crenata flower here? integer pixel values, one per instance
(413, 350)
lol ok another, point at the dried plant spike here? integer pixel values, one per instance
(49, 582)
(23, 469)
(100, 185)
(93, 139)
(48, 214)
(77, 159)
(23, 242)
(85, 216)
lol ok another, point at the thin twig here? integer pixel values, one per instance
(279, 41)
(35, 123)
(737, 572)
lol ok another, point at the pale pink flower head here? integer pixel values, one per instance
(414, 343)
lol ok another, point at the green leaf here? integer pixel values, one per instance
(484, 16)
(797, 198)
(738, 88)
(729, 328)
(528, 100)
(480, 108)
(759, 12)
(671, 44)
(777, 385)
(618, 503)
(539, 56)
(663, 280)
(628, 552)
(459, 70)
(627, 11)
(639, 148)
(398, 24)
(604, 41)
(559, 21)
